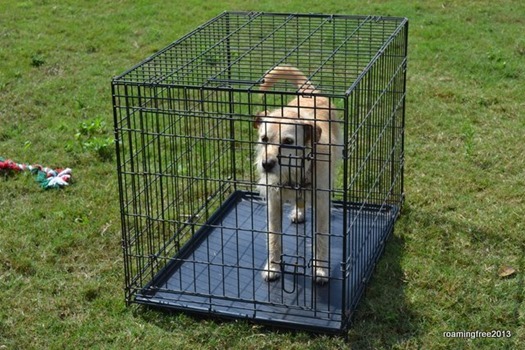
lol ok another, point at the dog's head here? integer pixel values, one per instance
(285, 148)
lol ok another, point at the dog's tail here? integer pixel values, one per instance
(290, 74)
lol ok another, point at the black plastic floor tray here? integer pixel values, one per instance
(219, 271)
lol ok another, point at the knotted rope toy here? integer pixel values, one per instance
(46, 177)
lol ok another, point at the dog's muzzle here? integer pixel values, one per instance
(292, 156)
(292, 160)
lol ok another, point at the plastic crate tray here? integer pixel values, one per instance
(219, 270)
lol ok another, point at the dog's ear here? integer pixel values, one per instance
(256, 122)
(312, 132)
(258, 119)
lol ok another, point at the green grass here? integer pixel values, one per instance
(61, 273)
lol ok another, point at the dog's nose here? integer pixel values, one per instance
(268, 165)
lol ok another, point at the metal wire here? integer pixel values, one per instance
(194, 228)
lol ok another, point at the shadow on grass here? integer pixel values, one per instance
(455, 253)
(383, 318)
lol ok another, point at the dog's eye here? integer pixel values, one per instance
(288, 141)
(264, 138)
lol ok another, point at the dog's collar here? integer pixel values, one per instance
(306, 181)
(297, 186)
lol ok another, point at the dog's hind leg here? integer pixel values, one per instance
(273, 265)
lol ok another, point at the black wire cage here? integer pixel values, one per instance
(194, 220)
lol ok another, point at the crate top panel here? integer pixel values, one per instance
(235, 49)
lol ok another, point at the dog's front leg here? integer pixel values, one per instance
(297, 215)
(322, 214)
(273, 265)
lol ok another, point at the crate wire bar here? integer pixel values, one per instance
(194, 227)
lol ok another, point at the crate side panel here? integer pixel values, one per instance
(175, 166)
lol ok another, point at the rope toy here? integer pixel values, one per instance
(46, 177)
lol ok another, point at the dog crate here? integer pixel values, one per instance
(194, 224)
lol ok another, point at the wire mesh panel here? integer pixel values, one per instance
(260, 166)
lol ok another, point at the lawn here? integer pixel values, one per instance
(61, 267)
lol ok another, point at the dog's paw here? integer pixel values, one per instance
(321, 275)
(271, 272)
(297, 215)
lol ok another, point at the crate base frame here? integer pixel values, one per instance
(214, 273)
